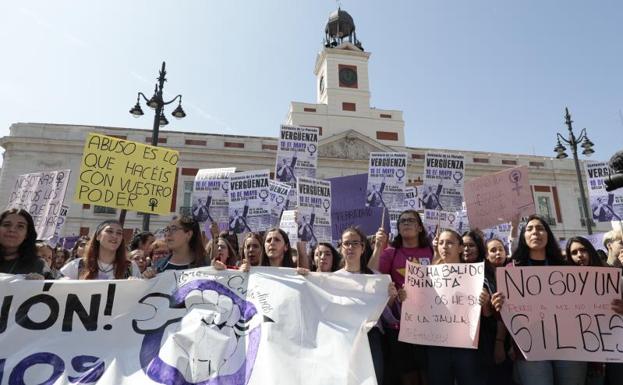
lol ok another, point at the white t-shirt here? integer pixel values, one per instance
(106, 270)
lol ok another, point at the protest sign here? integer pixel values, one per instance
(442, 306)
(62, 217)
(347, 193)
(563, 313)
(412, 198)
(210, 197)
(501, 232)
(42, 195)
(198, 326)
(289, 224)
(444, 175)
(394, 215)
(314, 210)
(297, 155)
(279, 193)
(596, 239)
(126, 175)
(498, 198)
(605, 206)
(386, 179)
(435, 221)
(249, 209)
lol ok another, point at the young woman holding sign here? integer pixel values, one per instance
(104, 257)
(184, 240)
(406, 363)
(538, 247)
(352, 247)
(18, 252)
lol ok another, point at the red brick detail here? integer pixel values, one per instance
(509, 162)
(481, 160)
(308, 109)
(537, 164)
(418, 156)
(384, 135)
(86, 206)
(174, 195)
(386, 116)
(187, 171)
(318, 127)
(272, 147)
(160, 140)
(346, 106)
(234, 145)
(542, 189)
(84, 231)
(195, 142)
(557, 204)
(339, 67)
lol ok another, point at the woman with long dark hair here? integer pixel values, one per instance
(538, 247)
(18, 251)
(252, 249)
(326, 258)
(104, 257)
(277, 249)
(186, 251)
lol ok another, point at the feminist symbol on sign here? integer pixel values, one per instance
(400, 174)
(457, 176)
(263, 195)
(279, 200)
(153, 203)
(326, 204)
(412, 203)
(225, 186)
(451, 218)
(515, 178)
(311, 148)
(59, 178)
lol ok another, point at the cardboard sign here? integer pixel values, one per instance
(563, 313)
(198, 326)
(498, 198)
(41, 194)
(126, 175)
(442, 307)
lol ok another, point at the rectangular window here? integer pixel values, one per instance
(104, 210)
(384, 135)
(349, 106)
(545, 209)
(187, 201)
(509, 162)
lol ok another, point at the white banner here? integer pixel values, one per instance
(442, 306)
(444, 176)
(270, 326)
(563, 313)
(386, 179)
(314, 210)
(605, 206)
(249, 208)
(210, 197)
(42, 195)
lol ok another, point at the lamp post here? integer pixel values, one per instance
(157, 103)
(573, 142)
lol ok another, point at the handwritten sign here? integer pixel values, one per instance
(563, 313)
(42, 195)
(497, 198)
(126, 175)
(442, 307)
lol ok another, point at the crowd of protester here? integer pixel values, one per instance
(105, 255)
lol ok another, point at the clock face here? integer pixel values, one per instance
(348, 76)
(321, 84)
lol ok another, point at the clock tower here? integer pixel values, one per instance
(343, 89)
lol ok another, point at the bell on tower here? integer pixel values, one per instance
(339, 27)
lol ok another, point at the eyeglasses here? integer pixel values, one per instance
(171, 229)
(407, 221)
(348, 244)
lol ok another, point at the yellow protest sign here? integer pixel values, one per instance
(126, 175)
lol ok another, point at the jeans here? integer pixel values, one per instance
(614, 373)
(375, 338)
(552, 372)
(447, 366)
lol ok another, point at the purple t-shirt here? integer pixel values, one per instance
(393, 261)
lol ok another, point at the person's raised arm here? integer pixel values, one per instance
(380, 243)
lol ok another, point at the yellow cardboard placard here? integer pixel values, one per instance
(126, 175)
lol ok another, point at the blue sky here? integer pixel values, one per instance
(483, 75)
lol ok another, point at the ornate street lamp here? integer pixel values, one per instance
(573, 142)
(157, 103)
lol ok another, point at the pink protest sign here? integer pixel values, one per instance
(442, 307)
(497, 198)
(563, 313)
